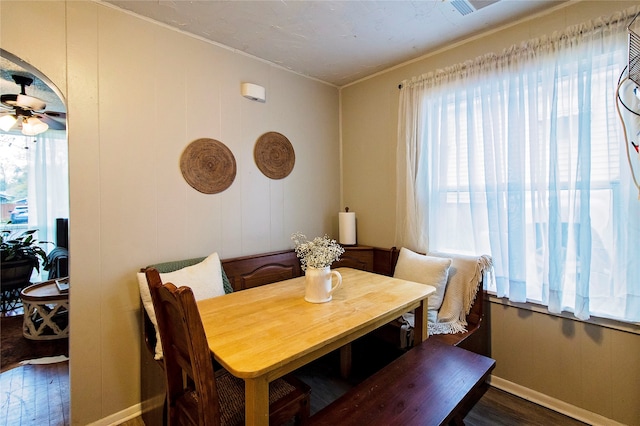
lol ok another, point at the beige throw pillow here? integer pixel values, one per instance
(204, 278)
(424, 269)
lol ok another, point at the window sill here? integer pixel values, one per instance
(628, 327)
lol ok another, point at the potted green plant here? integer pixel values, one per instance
(19, 255)
(23, 246)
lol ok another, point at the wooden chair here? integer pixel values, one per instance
(196, 394)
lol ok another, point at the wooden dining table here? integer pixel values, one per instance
(263, 333)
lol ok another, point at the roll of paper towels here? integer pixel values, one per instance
(347, 225)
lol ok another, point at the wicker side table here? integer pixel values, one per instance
(46, 311)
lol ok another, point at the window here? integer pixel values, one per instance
(522, 156)
(34, 184)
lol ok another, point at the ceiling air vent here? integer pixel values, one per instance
(465, 7)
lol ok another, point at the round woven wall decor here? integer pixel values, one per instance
(274, 155)
(208, 166)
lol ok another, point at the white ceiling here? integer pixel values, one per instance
(337, 42)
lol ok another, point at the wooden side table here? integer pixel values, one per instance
(46, 311)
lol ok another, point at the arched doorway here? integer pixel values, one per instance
(34, 195)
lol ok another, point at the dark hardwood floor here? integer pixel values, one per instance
(39, 394)
(499, 408)
(35, 395)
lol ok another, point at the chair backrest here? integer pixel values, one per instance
(192, 396)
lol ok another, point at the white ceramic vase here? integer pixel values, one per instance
(318, 284)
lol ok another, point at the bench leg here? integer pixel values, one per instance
(345, 361)
(457, 420)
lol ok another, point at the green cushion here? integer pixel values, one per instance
(225, 282)
(166, 267)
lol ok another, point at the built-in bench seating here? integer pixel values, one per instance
(256, 270)
(475, 339)
(431, 384)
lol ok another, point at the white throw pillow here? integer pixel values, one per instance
(424, 269)
(204, 278)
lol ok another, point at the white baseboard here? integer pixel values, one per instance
(552, 403)
(120, 417)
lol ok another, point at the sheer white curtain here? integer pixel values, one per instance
(521, 155)
(48, 184)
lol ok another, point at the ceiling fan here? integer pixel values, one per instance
(628, 97)
(27, 113)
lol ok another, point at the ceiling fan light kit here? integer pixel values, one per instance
(7, 122)
(33, 126)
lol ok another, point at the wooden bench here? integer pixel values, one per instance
(431, 384)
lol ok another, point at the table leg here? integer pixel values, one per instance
(345, 361)
(256, 401)
(420, 331)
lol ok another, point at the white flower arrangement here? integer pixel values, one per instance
(319, 253)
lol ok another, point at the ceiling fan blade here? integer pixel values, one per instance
(59, 116)
(25, 102)
(55, 120)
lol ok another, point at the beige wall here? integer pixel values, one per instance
(587, 366)
(137, 93)
(583, 365)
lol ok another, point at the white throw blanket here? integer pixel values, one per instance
(464, 274)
